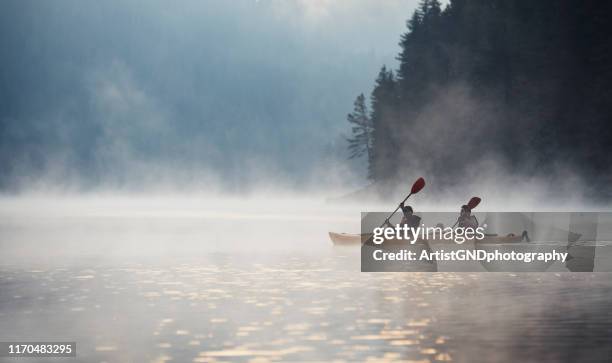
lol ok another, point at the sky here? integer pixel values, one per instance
(133, 93)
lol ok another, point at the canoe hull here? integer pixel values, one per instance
(353, 239)
(347, 239)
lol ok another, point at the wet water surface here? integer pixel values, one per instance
(183, 289)
(292, 308)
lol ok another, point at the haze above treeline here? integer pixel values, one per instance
(189, 94)
(493, 89)
(136, 94)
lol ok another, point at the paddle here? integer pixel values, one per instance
(471, 204)
(416, 187)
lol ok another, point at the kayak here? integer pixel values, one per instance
(353, 239)
(348, 239)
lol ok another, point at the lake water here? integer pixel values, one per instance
(179, 281)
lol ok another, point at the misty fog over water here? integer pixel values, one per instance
(169, 174)
(196, 279)
(141, 94)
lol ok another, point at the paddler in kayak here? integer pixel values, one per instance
(408, 218)
(466, 219)
(411, 220)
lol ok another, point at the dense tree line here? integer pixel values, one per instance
(525, 83)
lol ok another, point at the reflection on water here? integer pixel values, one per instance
(296, 308)
(154, 289)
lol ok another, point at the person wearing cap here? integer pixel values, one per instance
(466, 219)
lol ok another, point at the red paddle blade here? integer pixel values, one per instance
(473, 202)
(417, 186)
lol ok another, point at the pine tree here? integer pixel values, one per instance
(360, 143)
(384, 149)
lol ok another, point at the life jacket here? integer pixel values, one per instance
(412, 221)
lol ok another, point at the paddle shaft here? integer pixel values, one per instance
(390, 215)
(398, 207)
(416, 187)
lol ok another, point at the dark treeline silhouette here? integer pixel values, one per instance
(524, 83)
